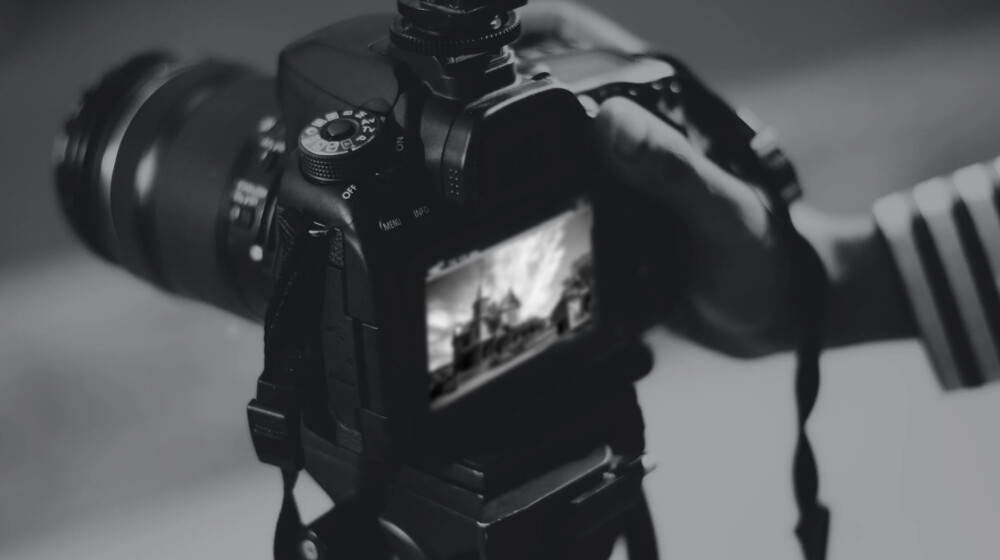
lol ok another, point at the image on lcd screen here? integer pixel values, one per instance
(495, 308)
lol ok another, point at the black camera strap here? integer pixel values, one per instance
(293, 370)
(753, 155)
(292, 367)
(810, 287)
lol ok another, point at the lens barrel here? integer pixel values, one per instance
(169, 170)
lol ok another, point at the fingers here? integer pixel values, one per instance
(648, 155)
(572, 21)
(645, 151)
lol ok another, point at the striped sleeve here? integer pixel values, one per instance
(944, 236)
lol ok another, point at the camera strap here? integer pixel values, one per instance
(753, 155)
(292, 366)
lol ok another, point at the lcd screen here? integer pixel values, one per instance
(495, 308)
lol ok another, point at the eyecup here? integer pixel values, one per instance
(80, 147)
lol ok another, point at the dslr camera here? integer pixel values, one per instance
(451, 288)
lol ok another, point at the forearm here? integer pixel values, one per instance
(926, 263)
(867, 302)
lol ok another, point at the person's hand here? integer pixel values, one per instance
(737, 291)
(737, 282)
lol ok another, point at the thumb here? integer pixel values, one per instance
(646, 154)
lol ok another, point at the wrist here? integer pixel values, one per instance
(867, 301)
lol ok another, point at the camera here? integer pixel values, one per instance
(467, 326)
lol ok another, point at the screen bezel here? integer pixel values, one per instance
(503, 393)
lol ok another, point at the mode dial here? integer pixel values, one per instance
(340, 145)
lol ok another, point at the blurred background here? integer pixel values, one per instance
(122, 425)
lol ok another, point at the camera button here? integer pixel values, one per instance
(339, 129)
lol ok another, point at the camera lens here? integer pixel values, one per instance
(168, 169)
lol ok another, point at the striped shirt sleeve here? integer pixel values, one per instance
(944, 236)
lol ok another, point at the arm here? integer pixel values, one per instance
(927, 262)
(737, 297)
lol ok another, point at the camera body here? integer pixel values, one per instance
(473, 183)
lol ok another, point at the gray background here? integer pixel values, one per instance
(122, 430)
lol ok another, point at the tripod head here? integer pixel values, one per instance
(456, 28)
